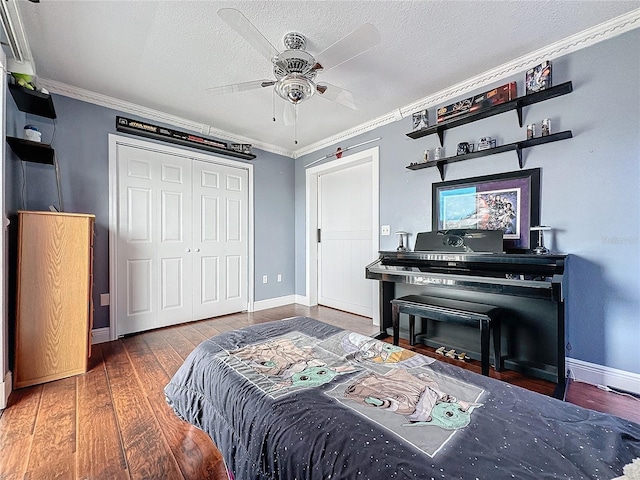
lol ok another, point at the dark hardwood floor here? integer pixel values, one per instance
(113, 422)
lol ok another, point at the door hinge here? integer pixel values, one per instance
(319, 235)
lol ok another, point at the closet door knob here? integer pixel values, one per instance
(197, 249)
(188, 250)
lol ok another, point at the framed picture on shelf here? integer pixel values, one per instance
(507, 201)
(538, 78)
(420, 120)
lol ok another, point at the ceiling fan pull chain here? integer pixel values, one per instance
(295, 123)
(273, 96)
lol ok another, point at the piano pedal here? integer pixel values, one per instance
(440, 351)
(463, 356)
(451, 353)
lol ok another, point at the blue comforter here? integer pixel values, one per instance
(300, 399)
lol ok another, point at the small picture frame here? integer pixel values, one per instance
(538, 78)
(420, 120)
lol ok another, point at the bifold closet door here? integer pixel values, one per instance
(220, 231)
(154, 240)
(182, 239)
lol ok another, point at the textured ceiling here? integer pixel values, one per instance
(163, 55)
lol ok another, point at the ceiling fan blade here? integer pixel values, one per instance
(337, 94)
(357, 42)
(241, 87)
(249, 32)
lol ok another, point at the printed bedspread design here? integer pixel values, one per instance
(298, 398)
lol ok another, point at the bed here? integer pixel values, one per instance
(300, 399)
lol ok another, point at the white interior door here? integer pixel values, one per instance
(182, 239)
(154, 266)
(345, 203)
(220, 239)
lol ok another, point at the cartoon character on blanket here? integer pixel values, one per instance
(292, 365)
(416, 397)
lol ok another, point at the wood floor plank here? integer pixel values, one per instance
(177, 340)
(164, 352)
(54, 440)
(17, 424)
(100, 454)
(590, 396)
(193, 335)
(193, 450)
(206, 328)
(146, 452)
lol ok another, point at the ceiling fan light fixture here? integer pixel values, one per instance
(295, 88)
(294, 61)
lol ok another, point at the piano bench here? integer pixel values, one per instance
(484, 317)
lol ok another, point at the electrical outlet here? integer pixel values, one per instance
(279, 277)
(264, 279)
(104, 299)
(385, 230)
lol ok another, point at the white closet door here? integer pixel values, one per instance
(344, 218)
(182, 240)
(220, 234)
(154, 240)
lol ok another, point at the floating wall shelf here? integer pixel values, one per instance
(32, 101)
(29, 151)
(517, 146)
(516, 104)
(185, 143)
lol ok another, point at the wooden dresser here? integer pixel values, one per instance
(54, 314)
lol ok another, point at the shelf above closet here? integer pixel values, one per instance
(517, 146)
(185, 143)
(32, 101)
(517, 104)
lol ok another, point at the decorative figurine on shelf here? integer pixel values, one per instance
(464, 148)
(485, 143)
(540, 248)
(24, 80)
(401, 247)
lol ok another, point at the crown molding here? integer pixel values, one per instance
(151, 114)
(584, 39)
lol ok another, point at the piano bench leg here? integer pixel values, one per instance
(412, 330)
(395, 320)
(485, 326)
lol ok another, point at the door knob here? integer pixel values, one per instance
(197, 249)
(188, 250)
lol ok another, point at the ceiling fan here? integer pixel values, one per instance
(295, 69)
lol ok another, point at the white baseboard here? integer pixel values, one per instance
(601, 375)
(273, 302)
(100, 335)
(5, 390)
(303, 300)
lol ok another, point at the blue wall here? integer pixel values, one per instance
(80, 139)
(589, 191)
(589, 195)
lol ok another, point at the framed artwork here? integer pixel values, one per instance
(507, 201)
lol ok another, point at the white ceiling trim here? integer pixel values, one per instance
(586, 38)
(151, 114)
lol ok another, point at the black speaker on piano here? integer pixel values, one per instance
(460, 240)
